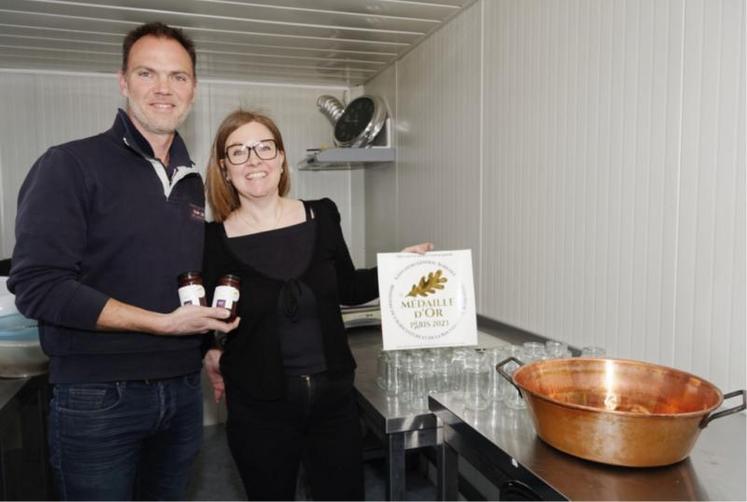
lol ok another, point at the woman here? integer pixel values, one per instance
(288, 368)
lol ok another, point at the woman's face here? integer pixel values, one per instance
(252, 161)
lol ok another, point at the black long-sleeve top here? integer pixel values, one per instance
(252, 361)
(284, 253)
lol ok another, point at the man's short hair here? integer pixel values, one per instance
(159, 30)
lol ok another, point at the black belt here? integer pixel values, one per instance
(151, 381)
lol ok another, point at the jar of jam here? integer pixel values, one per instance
(227, 294)
(191, 290)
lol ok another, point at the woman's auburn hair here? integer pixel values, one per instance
(221, 194)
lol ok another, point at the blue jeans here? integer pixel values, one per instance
(125, 440)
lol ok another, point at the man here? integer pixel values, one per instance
(104, 227)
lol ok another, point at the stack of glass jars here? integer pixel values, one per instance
(513, 399)
(593, 352)
(420, 376)
(382, 360)
(498, 387)
(476, 377)
(395, 377)
(408, 376)
(556, 350)
(456, 374)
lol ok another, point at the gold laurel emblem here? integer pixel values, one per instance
(428, 285)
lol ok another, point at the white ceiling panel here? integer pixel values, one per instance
(342, 42)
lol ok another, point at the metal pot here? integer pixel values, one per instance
(617, 411)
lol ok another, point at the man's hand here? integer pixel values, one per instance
(212, 368)
(191, 319)
(185, 320)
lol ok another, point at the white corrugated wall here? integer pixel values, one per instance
(592, 154)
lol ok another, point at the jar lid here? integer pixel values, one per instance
(194, 274)
(231, 277)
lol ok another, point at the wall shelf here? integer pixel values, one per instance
(345, 158)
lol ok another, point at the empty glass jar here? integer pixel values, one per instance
(514, 399)
(497, 387)
(381, 364)
(406, 370)
(419, 381)
(533, 351)
(394, 376)
(593, 352)
(555, 349)
(441, 374)
(475, 382)
(456, 374)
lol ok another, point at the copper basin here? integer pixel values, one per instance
(617, 411)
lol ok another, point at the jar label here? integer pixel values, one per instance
(193, 294)
(225, 297)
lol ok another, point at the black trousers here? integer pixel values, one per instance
(316, 424)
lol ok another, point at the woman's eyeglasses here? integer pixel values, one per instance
(265, 149)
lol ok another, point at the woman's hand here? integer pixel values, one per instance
(212, 368)
(421, 248)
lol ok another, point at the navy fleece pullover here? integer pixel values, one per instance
(98, 218)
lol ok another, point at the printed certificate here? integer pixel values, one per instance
(427, 300)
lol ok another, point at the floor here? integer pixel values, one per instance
(216, 477)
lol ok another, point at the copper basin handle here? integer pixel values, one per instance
(499, 368)
(736, 409)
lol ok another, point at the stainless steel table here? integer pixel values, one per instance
(502, 445)
(398, 425)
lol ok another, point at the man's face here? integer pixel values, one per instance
(159, 85)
